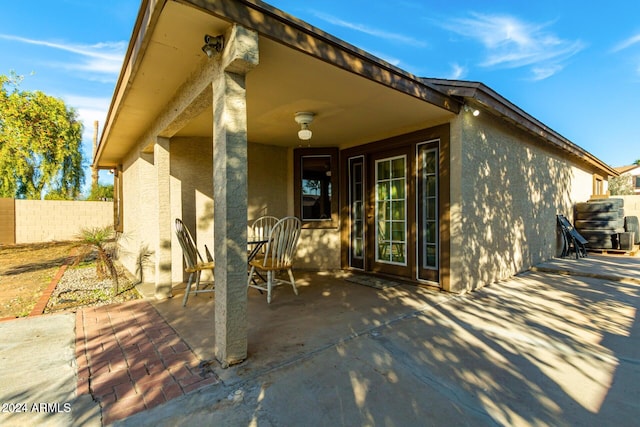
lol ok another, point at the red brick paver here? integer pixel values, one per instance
(130, 359)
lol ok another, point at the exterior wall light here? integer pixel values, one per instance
(212, 45)
(304, 119)
(473, 111)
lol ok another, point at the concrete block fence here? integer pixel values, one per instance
(37, 221)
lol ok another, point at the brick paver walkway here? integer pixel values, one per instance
(130, 359)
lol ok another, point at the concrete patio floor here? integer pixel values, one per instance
(327, 306)
(557, 347)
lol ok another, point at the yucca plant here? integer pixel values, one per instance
(102, 241)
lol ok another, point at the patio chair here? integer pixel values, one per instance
(278, 255)
(260, 230)
(571, 238)
(193, 260)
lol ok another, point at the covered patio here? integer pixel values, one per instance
(208, 134)
(328, 306)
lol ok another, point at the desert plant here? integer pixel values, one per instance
(102, 241)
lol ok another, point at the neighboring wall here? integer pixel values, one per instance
(506, 191)
(39, 221)
(631, 205)
(7, 221)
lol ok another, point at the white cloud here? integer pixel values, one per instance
(89, 109)
(512, 43)
(395, 37)
(100, 58)
(627, 43)
(457, 72)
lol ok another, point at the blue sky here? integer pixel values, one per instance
(576, 68)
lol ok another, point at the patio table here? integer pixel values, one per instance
(256, 244)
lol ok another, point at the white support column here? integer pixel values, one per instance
(230, 194)
(161, 161)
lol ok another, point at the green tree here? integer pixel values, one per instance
(637, 162)
(621, 185)
(40, 140)
(101, 192)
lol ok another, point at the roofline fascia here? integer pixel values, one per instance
(500, 106)
(147, 17)
(273, 24)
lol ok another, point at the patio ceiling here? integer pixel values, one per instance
(350, 109)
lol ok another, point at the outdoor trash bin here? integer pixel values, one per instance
(626, 240)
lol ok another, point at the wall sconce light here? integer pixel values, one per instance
(473, 111)
(212, 45)
(304, 119)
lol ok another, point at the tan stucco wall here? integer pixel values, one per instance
(505, 195)
(268, 175)
(269, 193)
(192, 196)
(58, 220)
(319, 249)
(631, 205)
(138, 216)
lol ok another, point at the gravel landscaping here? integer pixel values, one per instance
(81, 287)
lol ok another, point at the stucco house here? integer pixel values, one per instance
(632, 171)
(436, 182)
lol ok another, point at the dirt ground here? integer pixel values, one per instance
(26, 271)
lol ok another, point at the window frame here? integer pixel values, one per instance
(299, 154)
(598, 186)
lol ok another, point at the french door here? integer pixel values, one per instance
(389, 213)
(394, 212)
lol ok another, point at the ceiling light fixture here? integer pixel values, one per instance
(304, 119)
(212, 45)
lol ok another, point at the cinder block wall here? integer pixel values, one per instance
(631, 205)
(58, 220)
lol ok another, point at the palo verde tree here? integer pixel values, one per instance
(40, 140)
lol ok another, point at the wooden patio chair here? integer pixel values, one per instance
(278, 255)
(193, 260)
(261, 229)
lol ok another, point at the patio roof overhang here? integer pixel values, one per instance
(356, 97)
(476, 93)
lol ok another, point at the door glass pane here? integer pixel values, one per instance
(384, 170)
(397, 189)
(397, 213)
(357, 209)
(391, 206)
(397, 231)
(397, 255)
(431, 208)
(429, 205)
(430, 188)
(383, 191)
(397, 168)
